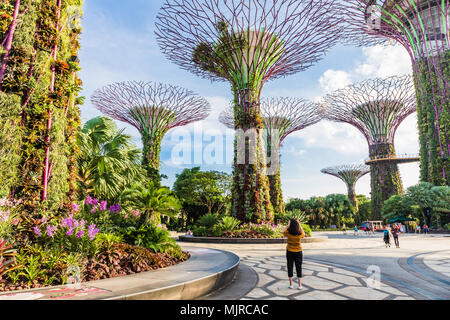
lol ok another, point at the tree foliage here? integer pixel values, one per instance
(109, 163)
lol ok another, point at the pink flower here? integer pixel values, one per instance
(103, 205)
(37, 231)
(69, 232)
(51, 230)
(75, 207)
(94, 210)
(80, 233)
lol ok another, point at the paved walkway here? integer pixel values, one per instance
(346, 267)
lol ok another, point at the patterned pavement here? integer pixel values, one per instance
(346, 267)
(320, 282)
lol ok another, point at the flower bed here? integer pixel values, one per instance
(229, 227)
(121, 261)
(94, 242)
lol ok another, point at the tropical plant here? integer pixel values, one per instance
(7, 258)
(153, 201)
(297, 214)
(395, 206)
(430, 200)
(227, 223)
(108, 161)
(152, 237)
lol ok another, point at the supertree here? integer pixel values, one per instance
(422, 27)
(350, 174)
(247, 43)
(281, 117)
(376, 107)
(153, 109)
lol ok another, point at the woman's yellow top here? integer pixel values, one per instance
(294, 243)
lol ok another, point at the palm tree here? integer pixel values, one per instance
(152, 200)
(109, 162)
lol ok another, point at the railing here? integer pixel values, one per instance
(394, 157)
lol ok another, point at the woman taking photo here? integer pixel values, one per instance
(294, 254)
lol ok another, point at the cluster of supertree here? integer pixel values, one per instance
(376, 107)
(247, 43)
(422, 27)
(281, 117)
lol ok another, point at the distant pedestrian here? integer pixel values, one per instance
(387, 237)
(425, 229)
(356, 231)
(344, 228)
(418, 229)
(294, 254)
(395, 232)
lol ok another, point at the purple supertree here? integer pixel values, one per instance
(247, 43)
(281, 117)
(376, 107)
(153, 109)
(350, 174)
(422, 27)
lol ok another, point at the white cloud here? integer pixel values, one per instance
(334, 79)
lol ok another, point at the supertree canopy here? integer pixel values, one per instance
(247, 42)
(153, 109)
(281, 117)
(423, 28)
(350, 174)
(376, 107)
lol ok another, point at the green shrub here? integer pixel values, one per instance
(227, 224)
(201, 231)
(307, 230)
(208, 220)
(297, 214)
(152, 237)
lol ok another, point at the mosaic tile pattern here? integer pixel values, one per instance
(320, 282)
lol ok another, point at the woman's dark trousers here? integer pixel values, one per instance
(397, 244)
(297, 258)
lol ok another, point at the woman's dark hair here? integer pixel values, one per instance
(294, 227)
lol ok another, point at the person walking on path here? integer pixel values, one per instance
(395, 232)
(294, 254)
(387, 237)
(344, 229)
(418, 229)
(425, 229)
(356, 231)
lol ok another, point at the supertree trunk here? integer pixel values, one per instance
(47, 166)
(431, 82)
(351, 193)
(385, 177)
(151, 155)
(276, 194)
(250, 194)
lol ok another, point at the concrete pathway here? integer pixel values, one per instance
(346, 267)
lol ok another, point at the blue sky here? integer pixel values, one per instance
(118, 44)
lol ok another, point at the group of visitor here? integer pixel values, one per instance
(391, 232)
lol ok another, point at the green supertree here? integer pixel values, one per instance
(247, 43)
(350, 174)
(422, 27)
(281, 117)
(376, 107)
(153, 109)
